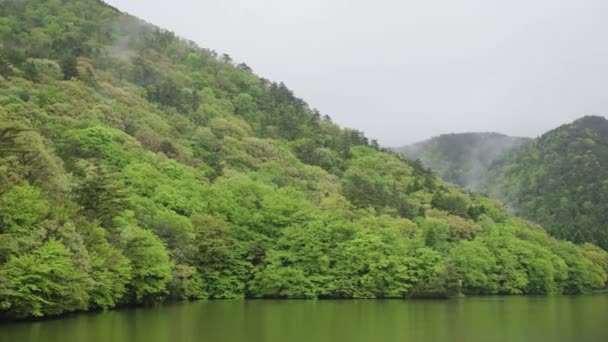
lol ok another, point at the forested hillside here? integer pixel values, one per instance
(136, 167)
(461, 158)
(560, 180)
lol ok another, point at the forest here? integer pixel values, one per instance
(462, 158)
(136, 167)
(559, 180)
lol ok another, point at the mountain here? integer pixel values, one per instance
(461, 158)
(137, 167)
(560, 180)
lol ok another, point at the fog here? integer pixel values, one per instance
(402, 71)
(463, 159)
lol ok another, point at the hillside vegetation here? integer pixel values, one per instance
(560, 181)
(136, 167)
(462, 158)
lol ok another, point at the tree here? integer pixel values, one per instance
(30, 71)
(110, 270)
(150, 262)
(20, 208)
(44, 282)
(367, 267)
(100, 192)
(69, 66)
(218, 258)
(454, 203)
(187, 283)
(475, 266)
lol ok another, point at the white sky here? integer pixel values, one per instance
(402, 71)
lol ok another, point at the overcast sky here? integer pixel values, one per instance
(402, 71)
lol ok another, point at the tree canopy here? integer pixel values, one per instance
(136, 167)
(560, 181)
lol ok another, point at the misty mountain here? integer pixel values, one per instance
(137, 167)
(559, 180)
(462, 158)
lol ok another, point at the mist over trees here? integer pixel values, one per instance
(557, 180)
(136, 167)
(462, 158)
(560, 181)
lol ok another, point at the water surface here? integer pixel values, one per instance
(487, 319)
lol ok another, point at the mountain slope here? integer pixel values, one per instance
(461, 158)
(136, 167)
(560, 180)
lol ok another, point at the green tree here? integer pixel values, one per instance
(150, 262)
(44, 282)
(100, 192)
(219, 258)
(20, 208)
(69, 67)
(475, 266)
(110, 270)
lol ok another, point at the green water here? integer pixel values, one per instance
(560, 318)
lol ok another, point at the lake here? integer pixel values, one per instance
(487, 319)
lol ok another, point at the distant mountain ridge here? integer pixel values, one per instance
(462, 158)
(559, 180)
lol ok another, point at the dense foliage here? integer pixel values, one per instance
(560, 181)
(136, 167)
(461, 158)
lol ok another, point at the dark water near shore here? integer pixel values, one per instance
(487, 319)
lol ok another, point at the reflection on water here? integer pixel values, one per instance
(559, 318)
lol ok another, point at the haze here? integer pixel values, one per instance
(403, 71)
